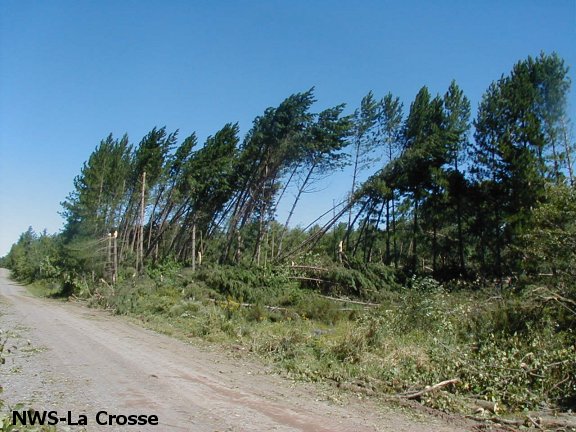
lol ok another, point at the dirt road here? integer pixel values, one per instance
(71, 358)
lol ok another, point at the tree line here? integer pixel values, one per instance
(449, 195)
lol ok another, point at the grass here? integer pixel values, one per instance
(42, 288)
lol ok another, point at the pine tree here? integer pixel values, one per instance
(515, 131)
(456, 128)
(95, 206)
(423, 154)
(365, 140)
(389, 124)
(272, 148)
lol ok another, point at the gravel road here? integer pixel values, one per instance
(71, 358)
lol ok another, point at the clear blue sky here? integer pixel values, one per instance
(73, 71)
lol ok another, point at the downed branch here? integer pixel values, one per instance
(482, 405)
(562, 421)
(496, 420)
(248, 305)
(307, 279)
(343, 300)
(429, 389)
(550, 295)
(559, 421)
(305, 267)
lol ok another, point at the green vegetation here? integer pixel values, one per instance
(516, 349)
(456, 261)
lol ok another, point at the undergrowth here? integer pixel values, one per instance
(516, 349)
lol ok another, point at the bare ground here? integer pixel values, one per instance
(71, 358)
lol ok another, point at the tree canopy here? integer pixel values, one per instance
(441, 199)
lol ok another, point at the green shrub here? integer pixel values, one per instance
(368, 281)
(246, 284)
(319, 309)
(351, 347)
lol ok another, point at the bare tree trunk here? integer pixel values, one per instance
(151, 220)
(394, 240)
(353, 189)
(314, 238)
(434, 248)
(233, 223)
(115, 252)
(294, 204)
(194, 247)
(127, 223)
(362, 230)
(415, 235)
(373, 240)
(141, 228)
(388, 260)
(294, 171)
(568, 149)
(259, 237)
(349, 230)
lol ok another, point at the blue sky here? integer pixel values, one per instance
(71, 72)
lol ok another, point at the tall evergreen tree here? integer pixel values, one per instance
(322, 152)
(270, 150)
(423, 155)
(514, 133)
(456, 129)
(390, 124)
(96, 204)
(364, 140)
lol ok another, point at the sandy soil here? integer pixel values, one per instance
(71, 358)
